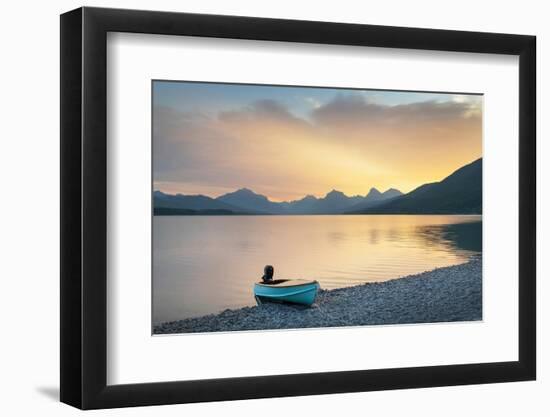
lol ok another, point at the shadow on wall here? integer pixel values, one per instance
(50, 392)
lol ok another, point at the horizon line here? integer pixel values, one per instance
(346, 195)
(282, 201)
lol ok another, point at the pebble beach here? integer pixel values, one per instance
(446, 294)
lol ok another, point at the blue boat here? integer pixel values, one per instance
(296, 291)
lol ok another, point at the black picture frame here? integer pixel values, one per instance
(84, 207)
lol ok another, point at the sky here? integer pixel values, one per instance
(287, 142)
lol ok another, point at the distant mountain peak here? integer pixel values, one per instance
(391, 193)
(309, 197)
(373, 193)
(335, 193)
(244, 190)
(249, 200)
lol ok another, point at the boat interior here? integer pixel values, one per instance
(274, 282)
(287, 282)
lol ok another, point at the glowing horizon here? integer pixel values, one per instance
(289, 142)
(269, 198)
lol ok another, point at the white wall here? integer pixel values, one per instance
(29, 172)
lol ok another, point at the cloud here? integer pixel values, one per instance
(355, 110)
(187, 145)
(347, 143)
(263, 111)
(244, 147)
(401, 137)
(313, 102)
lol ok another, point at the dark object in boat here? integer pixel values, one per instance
(268, 274)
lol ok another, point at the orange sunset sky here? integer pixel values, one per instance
(288, 142)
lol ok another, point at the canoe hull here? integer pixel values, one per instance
(299, 294)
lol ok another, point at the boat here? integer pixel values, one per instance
(295, 291)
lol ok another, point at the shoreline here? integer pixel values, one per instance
(447, 294)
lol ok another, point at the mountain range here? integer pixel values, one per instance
(459, 193)
(245, 201)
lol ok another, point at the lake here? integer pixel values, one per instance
(205, 264)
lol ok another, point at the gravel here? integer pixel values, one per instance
(442, 295)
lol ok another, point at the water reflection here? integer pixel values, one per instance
(336, 237)
(373, 236)
(204, 264)
(459, 236)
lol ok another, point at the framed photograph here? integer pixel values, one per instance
(256, 208)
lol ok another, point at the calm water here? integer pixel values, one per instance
(205, 264)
